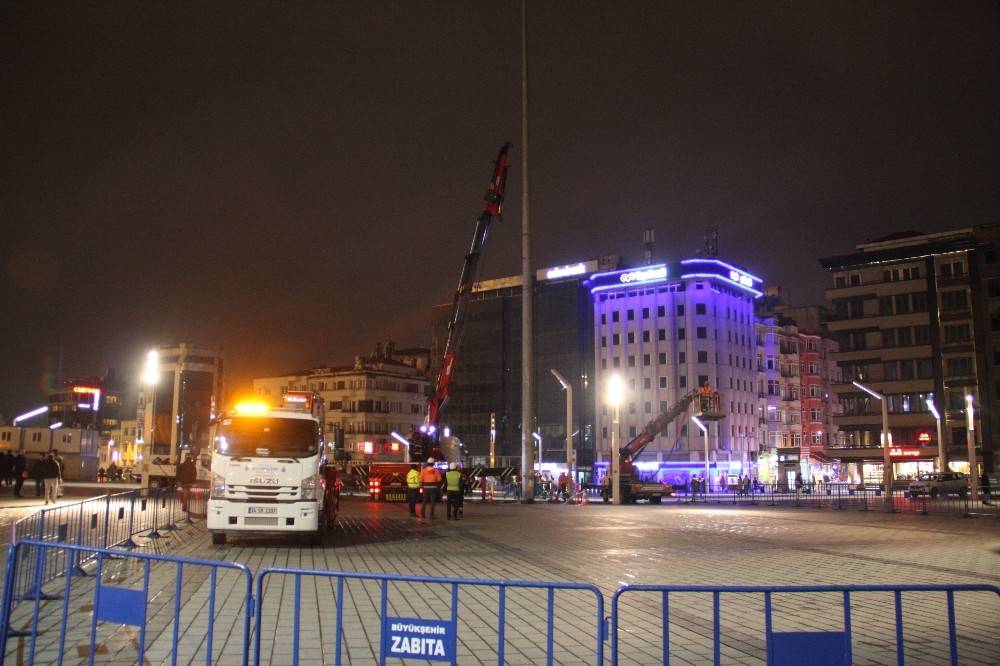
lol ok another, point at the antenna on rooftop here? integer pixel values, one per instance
(649, 242)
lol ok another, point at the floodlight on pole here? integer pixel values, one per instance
(570, 454)
(700, 425)
(932, 408)
(614, 396)
(56, 425)
(886, 443)
(406, 445)
(970, 440)
(27, 415)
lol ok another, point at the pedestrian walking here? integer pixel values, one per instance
(984, 487)
(430, 479)
(563, 485)
(62, 468)
(453, 481)
(49, 473)
(413, 488)
(187, 474)
(35, 472)
(6, 468)
(20, 473)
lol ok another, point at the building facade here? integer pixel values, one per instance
(667, 330)
(917, 317)
(484, 410)
(365, 403)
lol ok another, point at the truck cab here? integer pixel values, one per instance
(269, 471)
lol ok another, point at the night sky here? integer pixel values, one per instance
(296, 180)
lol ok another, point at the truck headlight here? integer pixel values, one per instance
(218, 486)
(309, 485)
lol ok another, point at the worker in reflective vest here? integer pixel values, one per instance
(413, 488)
(430, 479)
(453, 478)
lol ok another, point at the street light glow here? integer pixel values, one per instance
(56, 425)
(151, 372)
(702, 426)
(34, 412)
(615, 391)
(931, 406)
(538, 438)
(874, 394)
(970, 412)
(399, 438)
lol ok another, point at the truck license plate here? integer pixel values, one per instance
(262, 509)
(264, 481)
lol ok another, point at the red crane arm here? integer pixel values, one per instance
(456, 323)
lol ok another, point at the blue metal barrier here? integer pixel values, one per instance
(422, 638)
(833, 647)
(124, 598)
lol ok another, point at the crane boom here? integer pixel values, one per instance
(456, 322)
(633, 449)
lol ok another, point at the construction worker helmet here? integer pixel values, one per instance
(453, 466)
(430, 461)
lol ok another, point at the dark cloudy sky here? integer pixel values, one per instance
(295, 180)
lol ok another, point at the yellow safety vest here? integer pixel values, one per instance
(454, 479)
(413, 479)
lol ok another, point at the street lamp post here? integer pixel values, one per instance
(970, 440)
(615, 396)
(704, 434)
(570, 462)
(150, 376)
(886, 443)
(940, 442)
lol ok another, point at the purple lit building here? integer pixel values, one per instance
(666, 329)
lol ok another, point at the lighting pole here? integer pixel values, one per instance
(940, 443)
(970, 440)
(493, 438)
(615, 396)
(886, 442)
(704, 434)
(150, 376)
(570, 462)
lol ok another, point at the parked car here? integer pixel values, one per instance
(940, 483)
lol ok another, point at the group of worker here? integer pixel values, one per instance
(424, 483)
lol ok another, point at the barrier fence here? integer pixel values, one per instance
(133, 608)
(782, 626)
(137, 607)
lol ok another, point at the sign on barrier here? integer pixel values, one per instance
(408, 638)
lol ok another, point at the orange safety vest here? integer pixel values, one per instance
(430, 476)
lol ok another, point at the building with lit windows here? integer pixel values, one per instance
(917, 317)
(667, 329)
(380, 394)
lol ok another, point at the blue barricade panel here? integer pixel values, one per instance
(818, 648)
(121, 605)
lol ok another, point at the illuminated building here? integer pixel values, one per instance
(915, 315)
(486, 400)
(666, 329)
(382, 393)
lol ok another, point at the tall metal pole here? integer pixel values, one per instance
(970, 440)
(942, 462)
(527, 285)
(570, 458)
(616, 472)
(886, 459)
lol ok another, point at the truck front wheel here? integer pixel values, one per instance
(218, 538)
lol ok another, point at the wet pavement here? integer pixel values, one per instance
(606, 546)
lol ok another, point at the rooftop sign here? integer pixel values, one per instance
(569, 270)
(689, 268)
(629, 277)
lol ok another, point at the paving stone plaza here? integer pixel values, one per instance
(606, 546)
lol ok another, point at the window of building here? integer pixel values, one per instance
(889, 338)
(680, 310)
(953, 300)
(645, 336)
(631, 337)
(904, 337)
(661, 311)
(680, 333)
(630, 315)
(682, 381)
(661, 358)
(604, 364)
(702, 379)
(36, 436)
(631, 408)
(906, 369)
(604, 341)
(615, 316)
(959, 366)
(616, 339)
(631, 361)
(958, 269)
(661, 334)
(919, 299)
(889, 371)
(5, 436)
(921, 335)
(631, 431)
(701, 332)
(682, 357)
(646, 383)
(616, 362)
(772, 387)
(645, 359)
(955, 333)
(902, 303)
(703, 357)
(699, 308)
(647, 407)
(663, 382)
(840, 282)
(855, 279)
(604, 318)
(956, 400)
(645, 313)
(885, 305)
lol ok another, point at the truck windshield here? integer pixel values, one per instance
(267, 438)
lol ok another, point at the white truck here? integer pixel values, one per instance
(268, 470)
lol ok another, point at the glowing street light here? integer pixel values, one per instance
(570, 456)
(151, 371)
(886, 442)
(970, 440)
(406, 445)
(614, 396)
(56, 425)
(33, 413)
(940, 443)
